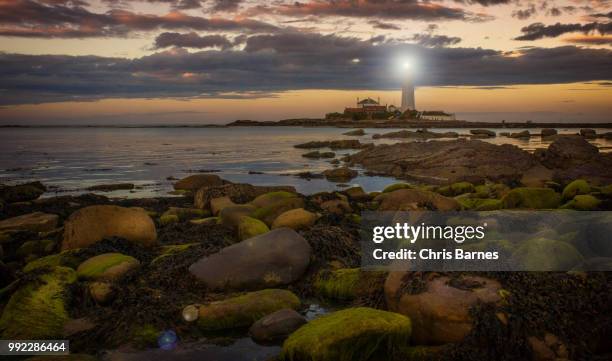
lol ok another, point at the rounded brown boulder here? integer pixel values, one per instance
(440, 309)
(94, 223)
(197, 181)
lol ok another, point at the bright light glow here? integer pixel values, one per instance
(356, 61)
(407, 65)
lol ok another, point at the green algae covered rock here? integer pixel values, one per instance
(396, 186)
(244, 310)
(145, 336)
(354, 334)
(66, 258)
(209, 221)
(339, 284)
(479, 204)
(107, 266)
(456, 189)
(37, 310)
(250, 227)
(541, 254)
(166, 219)
(269, 213)
(579, 186)
(533, 198)
(270, 198)
(583, 202)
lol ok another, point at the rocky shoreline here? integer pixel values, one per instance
(229, 260)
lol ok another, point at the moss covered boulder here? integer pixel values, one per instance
(532, 198)
(219, 203)
(340, 284)
(456, 189)
(268, 199)
(357, 193)
(167, 219)
(354, 334)
(249, 227)
(197, 181)
(244, 310)
(232, 215)
(543, 254)
(479, 204)
(397, 186)
(583, 202)
(91, 224)
(37, 310)
(107, 266)
(579, 186)
(269, 213)
(66, 258)
(296, 219)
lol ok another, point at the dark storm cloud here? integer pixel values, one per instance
(381, 9)
(191, 40)
(291, 61)
(537, 31)
(431, 40)
(602, 15)
(30, 18)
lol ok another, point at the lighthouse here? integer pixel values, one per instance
(408, 92)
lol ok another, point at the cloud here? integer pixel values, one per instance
(191, 40)
(381, 9)
(523, 14)
(590, 40)
(431, 40)
(602, 15)
(226, 5)
(383, 25)
(537, 31)
(485, 2)
(288, 61)
(36, 18)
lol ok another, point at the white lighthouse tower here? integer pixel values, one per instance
(408, 92)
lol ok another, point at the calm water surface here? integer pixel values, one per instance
(72, 159)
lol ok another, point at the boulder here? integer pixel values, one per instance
(296, 219)
(22, 192)
(588, 133)
(231, 215)
(579, 186)
(541, 254)
(420, 134)
(446, 162)
(355, 334)
(269, 213)
(275, 258)
(568, 151)
(532, 198)
(356, 132)
(316, 155)
(585, 202)
(239, 193)
(268, 199)
(37, 310)
(336, 206)
(197, 181)
(548, 132)
(91, 224)
(101, 292)
(250, 227)
(217, 204)
(186, 213)
(166, 219)
(485, 132)
(440, 312)
(111, 187)
(522, 134)
(244, 310)
(407, 199)
(341, 174)
(397, 186)
(456, 189)
(276, 326)
(107, 267)
(34, 222)
(67, 258)
(357, 193)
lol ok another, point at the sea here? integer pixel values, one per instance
(68, 160)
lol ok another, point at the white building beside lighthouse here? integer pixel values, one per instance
(408, 94)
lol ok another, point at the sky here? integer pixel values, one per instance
(214, 61)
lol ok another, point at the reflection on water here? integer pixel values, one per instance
(71, 159)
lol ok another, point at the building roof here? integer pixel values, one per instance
(368, 101)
